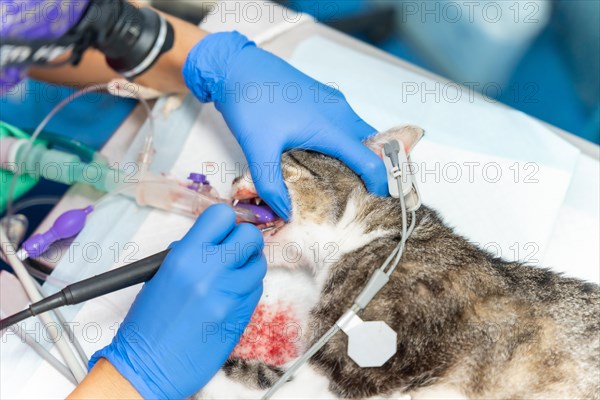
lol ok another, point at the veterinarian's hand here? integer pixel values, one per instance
(187, 319)
(272, 107)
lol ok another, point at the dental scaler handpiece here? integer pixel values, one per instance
(171, 197)
(99, 285)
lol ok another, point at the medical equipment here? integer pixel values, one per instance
(75, 362)
(131, 38)
(57, 165)
(146, 188)
(26, 182)
(49, 160)
(171, 196)
(67, 225)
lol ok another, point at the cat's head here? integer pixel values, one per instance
(320, 186)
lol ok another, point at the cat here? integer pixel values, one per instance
(466, 321)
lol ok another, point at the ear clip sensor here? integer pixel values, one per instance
(398, 165)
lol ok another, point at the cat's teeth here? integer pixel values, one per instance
(258, 200)
(235, 202)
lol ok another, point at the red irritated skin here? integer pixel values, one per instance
(272, 336)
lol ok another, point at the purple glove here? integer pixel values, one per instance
(31, 20)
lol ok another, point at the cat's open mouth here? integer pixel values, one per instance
(266, 219)
(244, 195)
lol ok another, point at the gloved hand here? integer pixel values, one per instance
(272, 107)
(187, 319)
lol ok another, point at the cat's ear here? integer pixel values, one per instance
(408, 135)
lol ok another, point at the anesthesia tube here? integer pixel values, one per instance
(171, 196)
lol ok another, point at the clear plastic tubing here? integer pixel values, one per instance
(171, 196)
(58, 166)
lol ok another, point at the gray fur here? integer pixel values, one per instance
(254, 374)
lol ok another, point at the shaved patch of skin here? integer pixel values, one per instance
(272, 336)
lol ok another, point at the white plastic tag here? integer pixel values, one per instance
(370, 343)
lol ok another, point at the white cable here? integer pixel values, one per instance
(34, 296)
(70, 334)
(42, 352)
(302, 360)
(37, 201)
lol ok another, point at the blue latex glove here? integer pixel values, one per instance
(187, 319)
(272, 107)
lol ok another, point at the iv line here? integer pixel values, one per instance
(34, 295)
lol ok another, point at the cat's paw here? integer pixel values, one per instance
(240, 379)
(253, 374)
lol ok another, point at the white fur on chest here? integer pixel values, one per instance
(301, 255)
(304, 244)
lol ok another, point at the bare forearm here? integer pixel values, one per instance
(104, 382)
(165, 75)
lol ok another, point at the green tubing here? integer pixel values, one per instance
(55, 165)
(24, 182)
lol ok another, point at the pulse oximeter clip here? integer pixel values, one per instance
(399, 166)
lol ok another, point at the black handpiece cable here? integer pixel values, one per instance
(96, 286)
